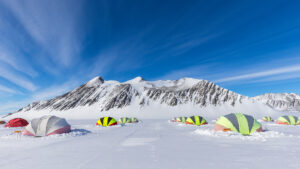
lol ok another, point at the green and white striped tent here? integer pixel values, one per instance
(267, 119)
(181, 119)
(238, 122)
(124, 120)
(134, 120)
(288, 120)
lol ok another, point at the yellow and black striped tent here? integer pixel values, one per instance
(124, 120)
(134, 120)
(196, 120)
(106, 121)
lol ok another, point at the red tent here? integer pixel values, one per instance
(17, 122)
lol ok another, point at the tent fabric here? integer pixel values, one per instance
(196, 120)
(288, 120)
(238, 122)
(181, 119)
(173, 119)
(106, 121)
(134, 120)
(46, 126)
(2, 122)
(17, 122)
(124, 120)
(267, 119)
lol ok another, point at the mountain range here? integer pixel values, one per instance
(108, 95)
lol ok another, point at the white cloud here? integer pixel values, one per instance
(52, 25)
(14, 105)
(17, 79)
(11, 55)
(7, 90)
(265, 73)
(10, 60)
(189, 44)
(278, 77)
(55, 90)
(47, 93)
(194, 72)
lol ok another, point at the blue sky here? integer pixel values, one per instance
(49, 47)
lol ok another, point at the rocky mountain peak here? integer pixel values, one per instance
(281, 101)
(136, 80)
(96, 81)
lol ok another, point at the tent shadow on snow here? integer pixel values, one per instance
(72, 133)
(81, 132)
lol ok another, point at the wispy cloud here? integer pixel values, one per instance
(194, 72)
(15, 63)
(21, 81)
(55, 90)
(281, 77)
(52, 26)
(11, 46)
(13, 106)
(42, 94)
(7, 90)
(189, 44)
(264, 73)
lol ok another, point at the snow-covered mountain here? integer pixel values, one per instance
(139, 93)
(113, 94)
(281, 101)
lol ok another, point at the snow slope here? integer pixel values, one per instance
(281, 101)
(152, 144)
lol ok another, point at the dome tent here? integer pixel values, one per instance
(173, 119)
(46, 126)
(124, 120)
(2, 122)
(106, 121)
(181, 119)
(17, 122)
(238, 122)
(134, 120)
(267, 119)
(196, 120)
(288, 120)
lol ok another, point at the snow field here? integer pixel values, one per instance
(151, 144)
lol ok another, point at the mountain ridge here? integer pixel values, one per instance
(111, 94)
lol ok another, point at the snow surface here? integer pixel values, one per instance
(152, 144)
(156, 110)
(277, 96)
(184, 83)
